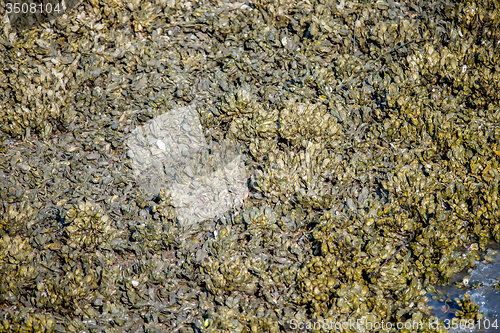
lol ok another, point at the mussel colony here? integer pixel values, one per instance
(369, 131)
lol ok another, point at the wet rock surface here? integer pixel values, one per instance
(369, 132)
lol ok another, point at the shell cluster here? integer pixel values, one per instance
(219, 166)
(204, 181)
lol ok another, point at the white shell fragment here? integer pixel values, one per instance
(160, 145)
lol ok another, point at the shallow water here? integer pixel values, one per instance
(485, 295)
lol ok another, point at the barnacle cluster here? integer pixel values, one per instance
(369, 132)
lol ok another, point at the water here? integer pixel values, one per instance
(486, 296)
